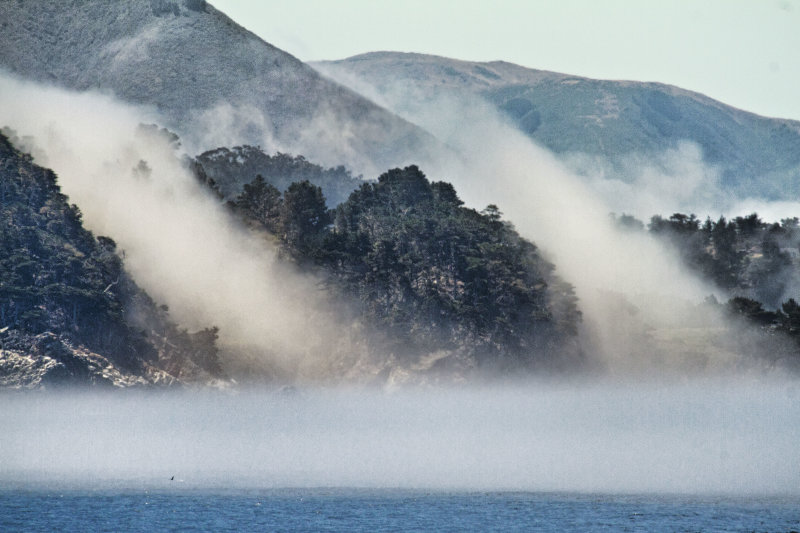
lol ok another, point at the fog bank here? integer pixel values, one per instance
(706, 436)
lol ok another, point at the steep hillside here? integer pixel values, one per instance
(758, 156)
(69, 312)
(437, 287)
(202, 71)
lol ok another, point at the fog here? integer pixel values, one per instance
(642, 307)
(180, 245)
(734, 433)
(177, 241)
(732, 437)
(677, 180)
(627, 284)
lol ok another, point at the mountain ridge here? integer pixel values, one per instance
(757, 156)
(533, 74)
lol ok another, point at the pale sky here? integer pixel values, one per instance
(745, 53)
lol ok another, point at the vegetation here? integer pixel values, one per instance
(427, 272)
(423, 273)
(56, 277)
(744, 256)
(228, 170)
(757, 263)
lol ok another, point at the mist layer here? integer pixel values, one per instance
(699, 437)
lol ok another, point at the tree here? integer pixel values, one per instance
(260, 202)
(751, 310)
(627, 222)
(57, 280)
(304, 218)
(748, 226)
(788, 317)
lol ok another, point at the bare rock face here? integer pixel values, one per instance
(202, 71)
(68, 325)
(24, 371)
(48, 362)
(51, 362)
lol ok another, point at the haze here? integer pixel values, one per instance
(706, 437)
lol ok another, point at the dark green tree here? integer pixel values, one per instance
(260, 202)
(304, 218)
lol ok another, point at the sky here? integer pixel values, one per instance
(745, 53)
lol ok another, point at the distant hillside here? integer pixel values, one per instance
(184, 57)
(758, 156)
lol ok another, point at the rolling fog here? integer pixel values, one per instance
(630, 286)
(186, 251)
(178, 242)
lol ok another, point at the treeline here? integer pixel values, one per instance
(57, 277)
(744, 255)
(427, 273)
(756, 263)
(227, 170)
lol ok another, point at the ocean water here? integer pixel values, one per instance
(341, 509)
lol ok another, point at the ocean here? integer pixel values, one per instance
(340, 509)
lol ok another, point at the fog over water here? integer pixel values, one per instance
(711, 436)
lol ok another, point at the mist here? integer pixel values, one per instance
(627, 284)
(643, 309)
(177, 241)
(670, 409)
(677, 180)
(180, 245)
(705, 437)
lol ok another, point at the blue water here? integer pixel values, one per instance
(74, 509)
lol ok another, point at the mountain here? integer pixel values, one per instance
(757, 156)
(206, 75)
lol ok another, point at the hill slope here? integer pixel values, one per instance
(202, 71)
(69, 312)
(427, 279)
(757, 156)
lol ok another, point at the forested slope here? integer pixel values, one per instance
(426, 274)
(64, 292)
